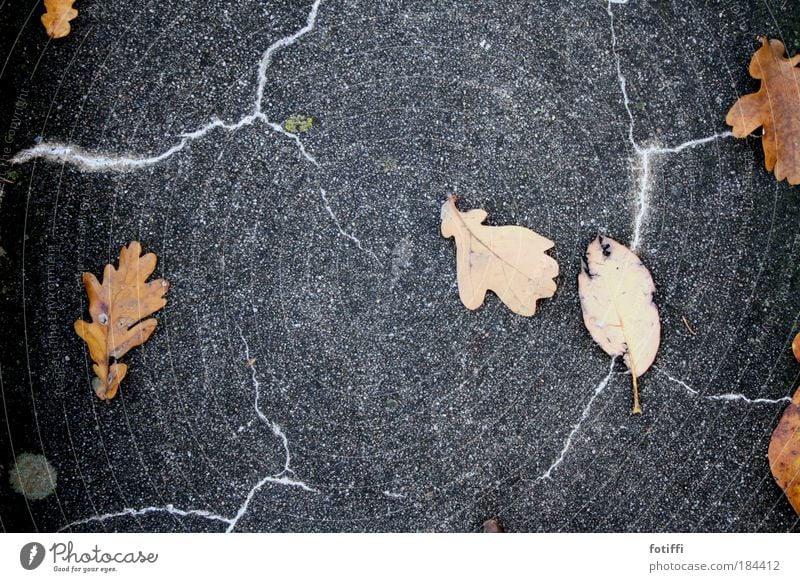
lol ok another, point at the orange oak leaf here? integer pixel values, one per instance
(117, 306)
(784, 452)
(796, 347)
(57, 16)
(509, 260)
(775, 107)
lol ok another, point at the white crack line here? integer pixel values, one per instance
(642, 162)
(276, 430)
(281, 478)
(144, 511)
(727, 397)
(105, 162)
(393, 495)
(100, 162)
(547, 475)
(744, 398)
(343, 232)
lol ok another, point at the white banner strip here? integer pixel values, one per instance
(354, 557)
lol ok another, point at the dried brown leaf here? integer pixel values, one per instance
(775, 107)
(616, 292)
(784, 452)
(492, 526)
(796, 347)
(117, 306)
(57, 16)
(509, 260)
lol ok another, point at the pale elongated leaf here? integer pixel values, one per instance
(616, 292)
(509, 260)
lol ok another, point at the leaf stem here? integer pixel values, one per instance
(637, 409)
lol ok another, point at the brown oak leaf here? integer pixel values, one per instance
(784, 452)
(57, 16)
(492, 526)
(796, 347)
(509, 260)
(117, 307)
(775, 107)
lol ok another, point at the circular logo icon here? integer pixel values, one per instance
(31, 555)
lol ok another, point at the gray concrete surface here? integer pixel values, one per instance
(376, 401)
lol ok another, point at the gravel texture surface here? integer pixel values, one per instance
(376, 401)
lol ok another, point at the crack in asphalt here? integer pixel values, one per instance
(641, 162)
(112, 162)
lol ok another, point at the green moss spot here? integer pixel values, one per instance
(298, 124)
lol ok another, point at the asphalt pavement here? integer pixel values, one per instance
(314, 369)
